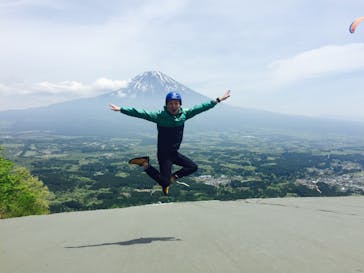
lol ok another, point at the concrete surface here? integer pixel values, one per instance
(255, 235)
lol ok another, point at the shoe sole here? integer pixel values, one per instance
(184, 184)
(144, 157)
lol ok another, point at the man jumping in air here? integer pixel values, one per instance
(170, 124)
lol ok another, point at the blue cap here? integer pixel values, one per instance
(173, 96)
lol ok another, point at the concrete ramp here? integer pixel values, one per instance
(255, 235)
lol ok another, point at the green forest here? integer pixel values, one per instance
(20, 193)
(61, 174)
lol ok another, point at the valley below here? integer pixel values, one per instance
(86, 173)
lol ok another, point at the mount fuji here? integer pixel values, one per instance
(148, 90)
(92, 116)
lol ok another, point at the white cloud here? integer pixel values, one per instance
(38, 43)
(107, 84)
(23, 95)
(101, 85)
(323, 61)
(67, 87)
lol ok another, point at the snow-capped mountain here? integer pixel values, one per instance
(154, 83)
(149, 89)
(92, 116)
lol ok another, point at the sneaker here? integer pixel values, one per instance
(165, 190)
(139, 160)
(173, 178)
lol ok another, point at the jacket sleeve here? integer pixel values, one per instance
(200, 108)
(140, 113)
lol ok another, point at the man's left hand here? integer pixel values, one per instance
(225, 96)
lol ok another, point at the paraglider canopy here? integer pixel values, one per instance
(355, 24)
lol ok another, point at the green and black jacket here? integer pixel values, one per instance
(170, 127)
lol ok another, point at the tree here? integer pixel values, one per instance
(21, 193)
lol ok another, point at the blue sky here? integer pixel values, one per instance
(294, 57)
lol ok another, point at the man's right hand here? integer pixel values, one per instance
(114, 108)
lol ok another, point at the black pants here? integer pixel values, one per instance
(166, 160)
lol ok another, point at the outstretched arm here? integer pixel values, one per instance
(138, 113)
(206, 106)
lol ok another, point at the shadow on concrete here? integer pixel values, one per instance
(141, 240)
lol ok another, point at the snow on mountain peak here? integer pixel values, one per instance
(151, 83)
(154, 81)
(149, 89)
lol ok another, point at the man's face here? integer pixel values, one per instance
(173, 106)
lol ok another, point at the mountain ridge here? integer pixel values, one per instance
(92, 116)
